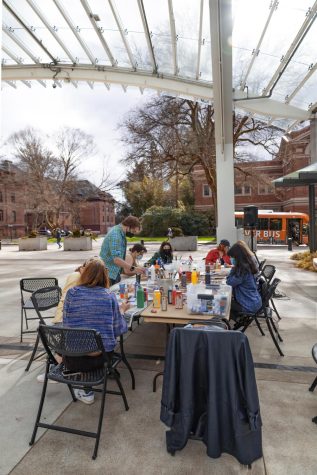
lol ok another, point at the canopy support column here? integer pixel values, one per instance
(221, 55)
(312, 194)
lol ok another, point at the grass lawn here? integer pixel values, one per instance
(164, 238)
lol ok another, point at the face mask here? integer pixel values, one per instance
(167, 251)
(233, 261)
(138, 258)
(129, 234)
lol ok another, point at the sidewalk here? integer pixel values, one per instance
(133, 442)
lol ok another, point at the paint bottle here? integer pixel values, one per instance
(194, 277)
(156, 299)
(140, 297)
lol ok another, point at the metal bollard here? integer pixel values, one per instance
(290, 244)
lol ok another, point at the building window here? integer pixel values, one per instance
(238, 190)
(206, 190)
(1, 197)
(14, 216)
(1, 215)
(262, 189)
(13, 198)
(247, 189)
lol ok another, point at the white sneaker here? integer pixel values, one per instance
(86, 398)
(41, 377)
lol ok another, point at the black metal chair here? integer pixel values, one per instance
(75, 343)
(314, 354)
(261, 264)
(28, 286)
(42, 300)
(268, 272)
(264, 313)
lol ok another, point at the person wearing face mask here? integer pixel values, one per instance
(114, 246)
(242, 278)
(221, 253)
(133, 257)
(165, 253)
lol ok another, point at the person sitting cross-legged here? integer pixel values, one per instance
(91, 305)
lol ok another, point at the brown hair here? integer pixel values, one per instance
(131, 222)
(94, 274)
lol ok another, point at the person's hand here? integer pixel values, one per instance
(140, 270)
(124, 307)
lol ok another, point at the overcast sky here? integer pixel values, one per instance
(97, 112)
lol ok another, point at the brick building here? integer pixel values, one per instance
(253, 179)
(91, 208)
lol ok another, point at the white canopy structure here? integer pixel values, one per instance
(259, 56)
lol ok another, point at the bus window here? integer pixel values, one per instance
(275, 224)
(305, 229)
(239, 222)
(263, 224)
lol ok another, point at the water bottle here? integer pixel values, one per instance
(140, 297)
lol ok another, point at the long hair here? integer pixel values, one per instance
(165, 243)
(244, 261)
(246, 247)
(94, 274)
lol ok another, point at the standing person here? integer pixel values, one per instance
(220, 253)
(169, 233)
(58, 236)
(114, 246)
(245, 295)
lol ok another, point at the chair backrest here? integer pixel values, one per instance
(70, 341)
(44, 299)
(261, 264)
(216, 321)
(32, 284)
(268, 272)
(269, 292)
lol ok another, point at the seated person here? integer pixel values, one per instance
(253, 257)
(71, 281)
(134, 255)
(245, 295)
(220, 252)
(165, 253)
(91, 305)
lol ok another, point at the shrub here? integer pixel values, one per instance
(157, 219)
(177, 231)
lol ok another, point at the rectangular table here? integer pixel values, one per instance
(174, 315)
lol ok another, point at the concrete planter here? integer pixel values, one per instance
(83, 243)
(38, 243)
(184, 243)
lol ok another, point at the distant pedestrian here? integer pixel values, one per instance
(58, 236)
(169, 233)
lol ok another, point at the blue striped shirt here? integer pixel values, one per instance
(96, 308)
(114, 245)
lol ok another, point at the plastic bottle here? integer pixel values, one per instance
(218, 264)
(183, 280)
(156, 299)
(140, 297)
(194, 277)
(207, 275)
(152, 273)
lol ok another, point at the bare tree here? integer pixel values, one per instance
(172, 135)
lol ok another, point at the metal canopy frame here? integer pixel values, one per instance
(149, 74)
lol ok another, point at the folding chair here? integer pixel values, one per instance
(268, 272)
(28, 286)
(314, 354)
(43, 299)
(261, 264)
(265, 312)
(72, 342)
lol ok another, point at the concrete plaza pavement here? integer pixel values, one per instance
(134, 442)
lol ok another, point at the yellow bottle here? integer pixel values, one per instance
(156, 299)
(194, 277)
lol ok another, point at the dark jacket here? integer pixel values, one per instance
(209, 391)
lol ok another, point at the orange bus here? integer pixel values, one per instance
(277, 226)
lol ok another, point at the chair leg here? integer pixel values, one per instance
(312, 387)
(21, 335)
(39, 412)
(276, 330)
(273, 336)
(102, 408)
(33, 353)
(121, 389)
(259, 326)
(155, 380)
(125, 361)
(247, 325)
(72, 392)
(275, 310)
